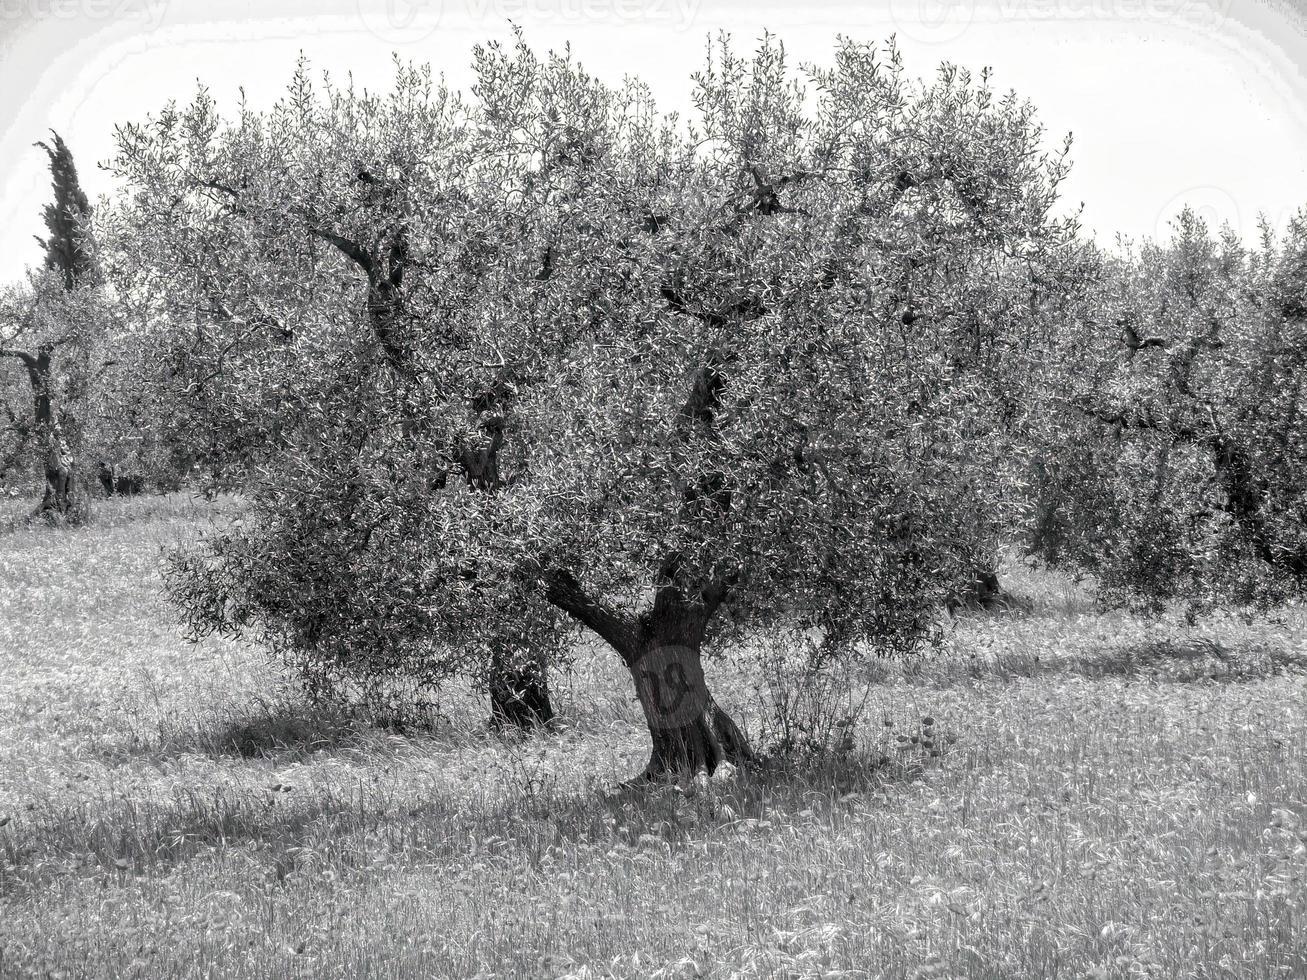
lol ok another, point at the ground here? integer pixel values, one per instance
(1056, 793)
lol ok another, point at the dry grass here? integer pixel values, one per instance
(1093, 797)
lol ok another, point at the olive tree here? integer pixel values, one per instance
(1181, 466)
(547, 359)
(50, 331)
(266, 254)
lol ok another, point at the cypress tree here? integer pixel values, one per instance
(67, 246)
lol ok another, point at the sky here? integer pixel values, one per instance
(1171, 102)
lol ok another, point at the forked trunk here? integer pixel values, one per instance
(688, 729)
(661, 648)
(519, 694)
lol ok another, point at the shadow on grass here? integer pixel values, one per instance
(113, 839)
(1004, 605)
(18, 512)
(775, 790)
(282, 730)
(274, 730)
(1166, 661)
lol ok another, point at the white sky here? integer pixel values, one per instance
(1170, 101)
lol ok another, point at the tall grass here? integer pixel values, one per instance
(1058, 793)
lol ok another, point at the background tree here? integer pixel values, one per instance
(673, 383)
(272, 253)
(1182, 461)
(50, 329)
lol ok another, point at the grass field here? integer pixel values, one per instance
(1094, 796)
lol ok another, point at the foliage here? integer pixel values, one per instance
(811, 706)
(50, 333)
(551, 346)
(69, 248)
(1179, 467)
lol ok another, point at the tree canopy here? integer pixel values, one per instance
(1178, 468)
(548, 350)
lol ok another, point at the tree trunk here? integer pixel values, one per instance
(519, 694)
(688, 729)
(661, 648)
(60, 486)
(1045, 535)
(58, 497)
(982, 591)
(1245, 499)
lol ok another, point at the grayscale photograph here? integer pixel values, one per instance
(653, 489)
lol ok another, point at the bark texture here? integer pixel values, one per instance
(688, 730)
(662, 649)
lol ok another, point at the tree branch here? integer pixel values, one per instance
(28, 360)
(1138, 419)
(748, 308)
(350, 248)
(564, 591)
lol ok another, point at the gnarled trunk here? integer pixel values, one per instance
(661, 648)
(58, 498)
(688, 729)
(519, 694)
